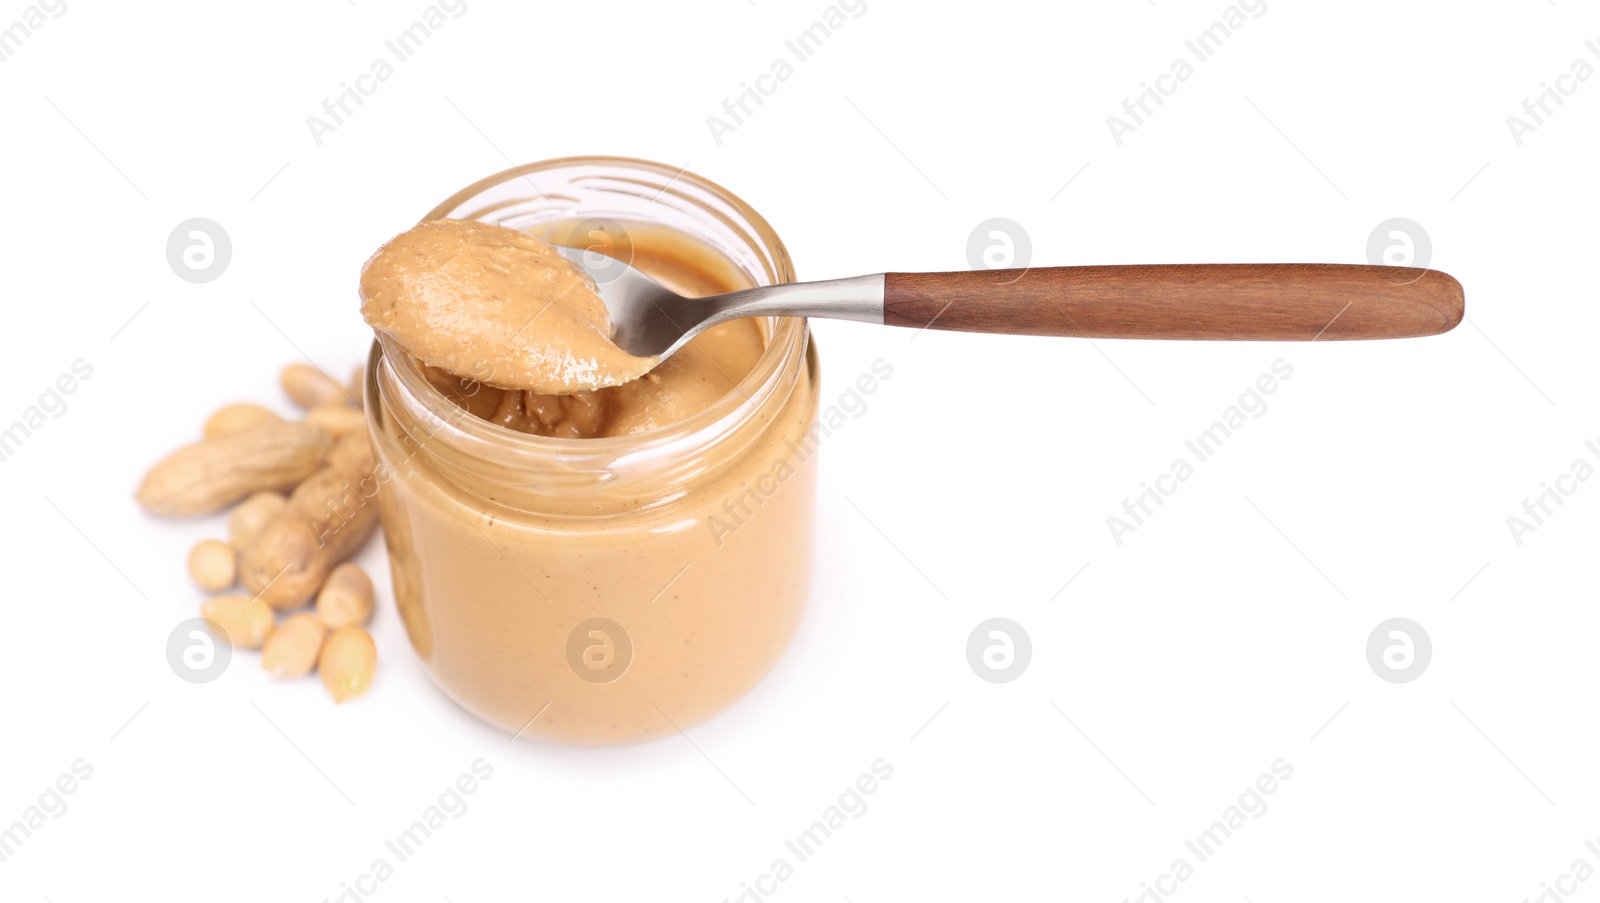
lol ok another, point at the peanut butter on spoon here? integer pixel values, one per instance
(475, 298)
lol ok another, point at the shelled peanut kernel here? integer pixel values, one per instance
(214, 565)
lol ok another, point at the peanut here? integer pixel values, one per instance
(346, 597)
(347, 662)
(328, 518)
(235, 417)
(351, 453)
(308, 387)
(251, 516)
(205, 476)
(291, 650)
(337, 419)
(245, 620)
(213, 565)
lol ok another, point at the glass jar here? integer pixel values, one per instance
(606, 590)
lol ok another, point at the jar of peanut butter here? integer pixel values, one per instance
(612, 566)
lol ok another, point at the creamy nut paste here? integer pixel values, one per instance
(516, 334)
(509, 577)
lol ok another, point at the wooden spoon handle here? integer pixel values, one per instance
(1283, 302)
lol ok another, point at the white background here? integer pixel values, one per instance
(1227, 633)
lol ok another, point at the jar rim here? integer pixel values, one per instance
(784, 354)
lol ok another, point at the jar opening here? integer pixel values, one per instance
(454, 440)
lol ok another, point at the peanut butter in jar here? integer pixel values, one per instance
(616, 563)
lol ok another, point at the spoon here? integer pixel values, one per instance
(1266, 301)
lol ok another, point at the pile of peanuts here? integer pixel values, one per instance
(299, 513)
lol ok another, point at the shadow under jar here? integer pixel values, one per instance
(607, 590)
